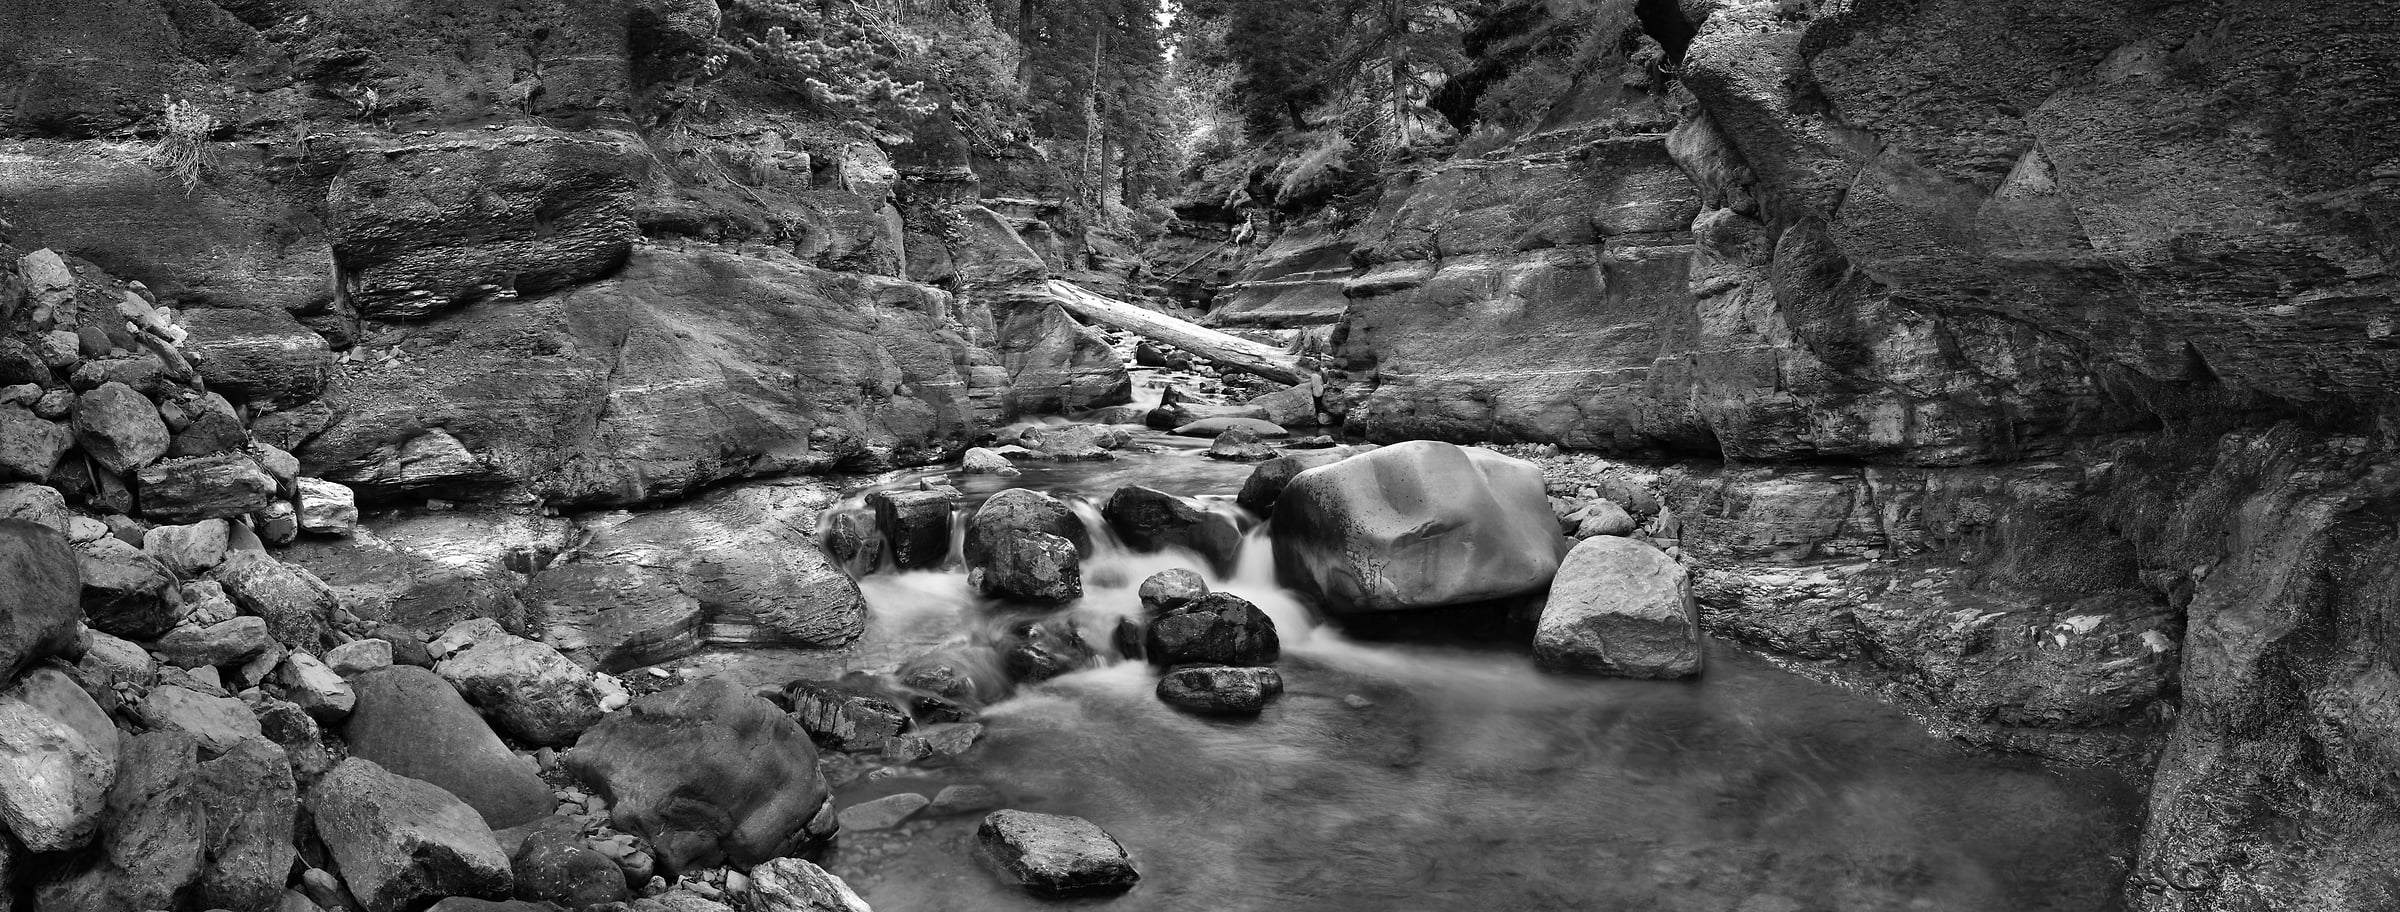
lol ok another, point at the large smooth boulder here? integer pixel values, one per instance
(297, 605)
(45, 585)
(1030, 567)
(1414, 525)
(1149, 519)
(1219, 628)
(1220, 690)
(401, 843)
(120, 428)
(195, 488)
(1020, 510)
(1622, 608)
(1054, 854)
(58, 757)
(528, 689)
(411, 722)
(708, 773)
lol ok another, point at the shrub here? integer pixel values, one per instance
(182, 148)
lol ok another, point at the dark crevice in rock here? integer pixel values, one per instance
(1663, 20)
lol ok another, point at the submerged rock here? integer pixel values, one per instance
(1416, 525)
(1619, 608)
(1055, 855)
(1220, 690)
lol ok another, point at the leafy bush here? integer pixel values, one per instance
(838, 65)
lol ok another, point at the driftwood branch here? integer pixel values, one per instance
(1224, 351)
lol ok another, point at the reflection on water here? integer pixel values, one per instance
(1426, 777)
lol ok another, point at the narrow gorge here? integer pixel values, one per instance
(919, 455)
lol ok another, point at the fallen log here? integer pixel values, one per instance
(1225, 351)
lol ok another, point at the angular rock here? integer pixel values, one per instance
(226, 643)
(58, 757)
(1216, 427)
(1149, 519)
(706, 772)
(203, 425)
(843, 716)
(937, 740)
(401, 843)
(1620, 608)
(1604, 517)
(195, 488)
(188, 550)
(125, 592)
(278, 523)
(915, 526)
(1416, 525)
(327, 507)
(251, 804)
(220, 723)
(30, 447)
(411, 722)
(1240, 445)
(796, 885)
(294, 730)
(1167, 590)
(154, 847)
(982, 461)
(315, 688)
(262, 356)
(1216, 629)
(41, 505)
(528, 690)
(44, 581)
(120, 428)
(359, 656)
(297, 605)
(114, 660)
(1055, 855)
(554, 864)
(1220, 690)
(1031, 567)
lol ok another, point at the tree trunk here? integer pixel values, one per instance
(1224, 351)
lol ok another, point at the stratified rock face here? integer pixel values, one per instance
(199, 488)
(401, 843)
(45, 587)
(411, 722)
(707, 773)
(683, 369)
(262, 357)
(1416, 525)
(1055, 855)
(1620, 608)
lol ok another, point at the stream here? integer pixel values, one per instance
(1429, 776)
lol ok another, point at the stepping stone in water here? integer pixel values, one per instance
(882, 813)
(1055, 855)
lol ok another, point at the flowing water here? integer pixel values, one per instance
(1440, 777)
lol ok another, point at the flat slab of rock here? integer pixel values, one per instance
(882, 813)
(1620, 608)
(1055, 855)
(401, 843)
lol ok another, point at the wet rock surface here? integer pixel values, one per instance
(1055, 855)
(1352, 533)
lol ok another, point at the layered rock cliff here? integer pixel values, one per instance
(2047, 344)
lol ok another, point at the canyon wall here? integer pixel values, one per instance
(2049, 344)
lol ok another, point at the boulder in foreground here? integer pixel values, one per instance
(1621, 608)
(402, 843)
(1414, 525)
(1055, 855)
